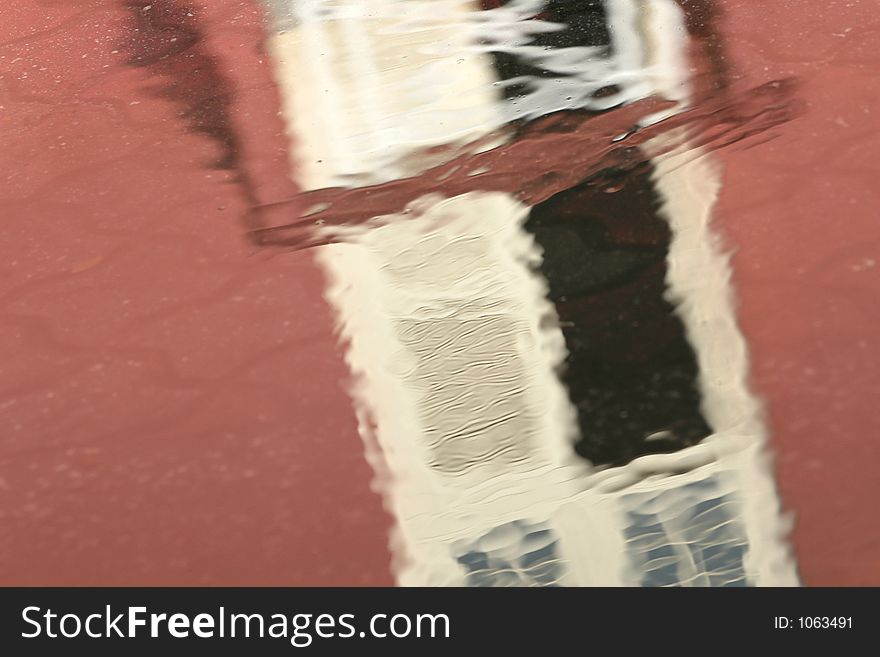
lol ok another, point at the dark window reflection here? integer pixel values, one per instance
(631, 372)
(581, 23)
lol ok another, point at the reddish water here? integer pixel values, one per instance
(172, 398)
(155, 366)
(800, 212)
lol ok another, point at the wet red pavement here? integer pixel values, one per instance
(801, 214)
(173, 405)
(172, 401)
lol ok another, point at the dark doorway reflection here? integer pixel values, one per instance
(631, 372)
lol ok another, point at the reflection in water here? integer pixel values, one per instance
(455, 102)
(507, 184)
(630, 372)
(513, 200)
(166, 39)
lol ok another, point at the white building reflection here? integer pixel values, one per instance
(452, 335)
